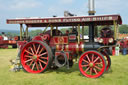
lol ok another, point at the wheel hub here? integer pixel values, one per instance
(35, 57)
(91, 64)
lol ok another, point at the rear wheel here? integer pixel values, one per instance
(92, 64)
(36, 57)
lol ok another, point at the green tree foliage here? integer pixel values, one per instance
(123, 29)
(86, 30)
(12, 34)
(35, 32)
(63, 30)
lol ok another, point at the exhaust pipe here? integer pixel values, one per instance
(91, 5)
(91, 26)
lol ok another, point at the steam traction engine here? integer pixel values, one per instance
(54, 49)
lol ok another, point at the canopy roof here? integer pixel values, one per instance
(67, 21)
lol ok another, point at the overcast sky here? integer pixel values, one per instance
(47, 8)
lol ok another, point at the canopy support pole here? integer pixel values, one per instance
(46, 28)
(115, 29)
(52, 30)
(78, 33)
(82, 32)
(21, 27)
(27, 32)
(96, 31)
(56, 30)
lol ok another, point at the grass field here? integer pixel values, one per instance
(118, 74)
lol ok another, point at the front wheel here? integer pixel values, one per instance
(92, 64)
(36, 57)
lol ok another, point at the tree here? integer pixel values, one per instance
(123, 29)
(86, 30)
(9, 34)
(35, 32)
(63, 30)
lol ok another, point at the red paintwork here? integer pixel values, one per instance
(113, 51)
(105, 41)
(38, 38)
(59, 53)
(16, 38)
(71, 47)
(124, 43)
(21, 44)
(42, 37)
(46, 37)
(62, 43)
(72, 37)
(7, 42)
(1, 38)
(4, 46)
(60, 39)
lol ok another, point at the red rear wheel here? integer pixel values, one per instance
(92, 64)
(36, 57)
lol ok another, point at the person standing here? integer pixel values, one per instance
(117, 50)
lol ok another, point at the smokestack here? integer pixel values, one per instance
(91, 25)
(91, 4)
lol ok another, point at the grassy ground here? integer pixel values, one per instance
(118, 74)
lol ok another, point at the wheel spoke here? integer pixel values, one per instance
(32, 51)
(43, 54)
(98, 63)
(84, 65)
(44, 58)
(37, 66)
(97, 67)
(85, 61)
(33, 66)
(88, 58)
(86, 69)
(92, 57)
(38, 49)
(34, 48)
(90, 71)
(96, 59)
(28, 56)
(95, 70)
(40, 65)
(42, 61)
(28, 60)
(41, 50)
(28, 52)
(30, 63)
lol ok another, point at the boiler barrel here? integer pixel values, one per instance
(75, 47)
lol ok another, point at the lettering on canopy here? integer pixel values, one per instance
(59, 20)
